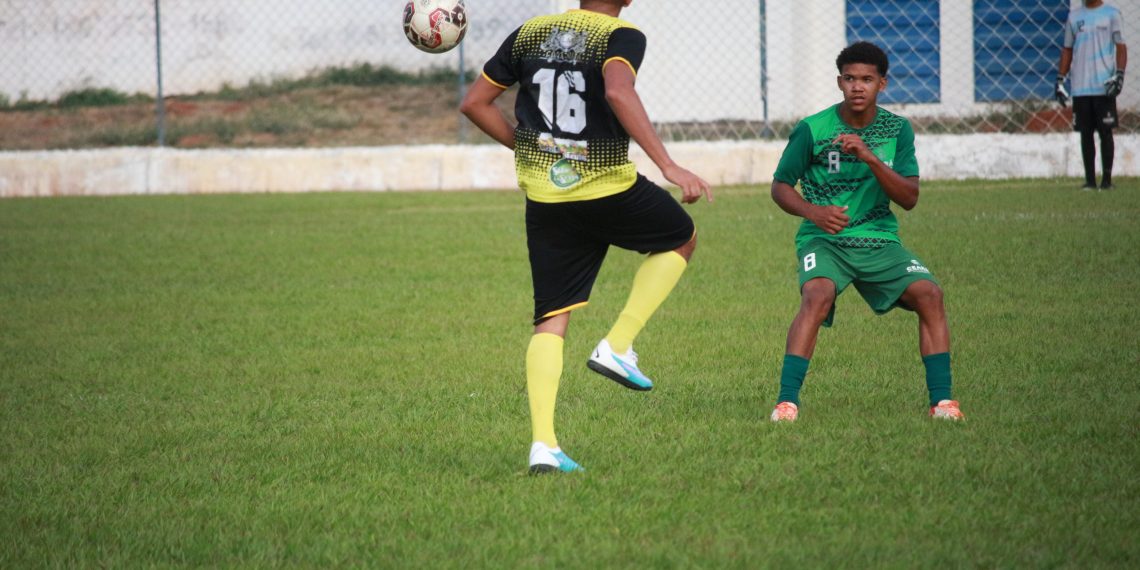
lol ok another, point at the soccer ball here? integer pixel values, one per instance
(435, 26)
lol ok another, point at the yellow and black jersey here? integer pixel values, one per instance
(569, 146)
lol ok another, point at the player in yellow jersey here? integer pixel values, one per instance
(577, 108)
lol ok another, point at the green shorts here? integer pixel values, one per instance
(880, 274)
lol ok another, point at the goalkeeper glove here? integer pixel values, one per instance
(1113, 86)
(1059, 91)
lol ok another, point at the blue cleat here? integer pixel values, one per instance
(544, 459)
(621, 368)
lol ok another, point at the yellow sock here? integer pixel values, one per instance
(654, 281)
(543, 370)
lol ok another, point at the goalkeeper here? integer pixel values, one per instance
(1094, 51)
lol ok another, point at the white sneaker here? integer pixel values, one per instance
(544, 459)
(621, 368)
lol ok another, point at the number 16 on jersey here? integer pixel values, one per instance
(560, 101)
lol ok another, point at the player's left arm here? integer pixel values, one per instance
(479, 106)
(499, 73)
(902, 190)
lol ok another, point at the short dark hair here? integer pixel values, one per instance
(863, 52)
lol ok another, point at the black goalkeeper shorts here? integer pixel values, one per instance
(1094, 112)
(568, 241)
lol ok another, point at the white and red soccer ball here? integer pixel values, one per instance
(435, 26)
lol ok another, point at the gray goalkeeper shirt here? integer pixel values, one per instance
(1093, 35)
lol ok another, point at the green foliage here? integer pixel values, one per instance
(75, 99)
(365, 75)
(359, 75)
(92, 97)
(336, 380)
(26, 104)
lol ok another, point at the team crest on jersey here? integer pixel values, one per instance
(563, 174)
(564, 45)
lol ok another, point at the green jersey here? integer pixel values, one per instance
(830, 177)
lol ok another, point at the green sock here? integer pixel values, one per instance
(792, 378)
(938, 376)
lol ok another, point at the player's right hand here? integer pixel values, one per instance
(692, 186)
(1059, 91)
(831, 219)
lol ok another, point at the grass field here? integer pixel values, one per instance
(332, 380)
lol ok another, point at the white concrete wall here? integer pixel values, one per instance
(702, 64)
(479, 167)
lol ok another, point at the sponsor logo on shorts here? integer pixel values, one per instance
(916, 267)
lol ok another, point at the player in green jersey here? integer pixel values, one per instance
(577, 109)
(852, 160)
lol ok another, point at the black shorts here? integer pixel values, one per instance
(1094, 112)
(568, 241)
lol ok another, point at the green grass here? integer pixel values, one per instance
(330, 380)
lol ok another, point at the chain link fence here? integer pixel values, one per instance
(204, 73)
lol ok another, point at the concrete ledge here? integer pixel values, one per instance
(121, 171)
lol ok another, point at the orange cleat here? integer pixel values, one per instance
(786, 412)
(946, 410)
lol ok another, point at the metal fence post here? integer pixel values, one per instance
(766, 131)
(160, 104)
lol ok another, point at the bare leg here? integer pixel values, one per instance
(556, 325)
(925, 297)
(686, 251)
(816, 299)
